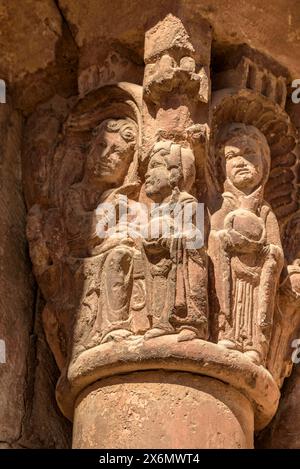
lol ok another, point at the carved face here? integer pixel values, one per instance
(111, 152)
(244, 163)
(157, 183)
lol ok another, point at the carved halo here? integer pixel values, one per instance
(121, 101)
(245, 106)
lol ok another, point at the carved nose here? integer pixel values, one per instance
(104, 150)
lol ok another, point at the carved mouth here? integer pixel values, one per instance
(243, 171)
(105, 166)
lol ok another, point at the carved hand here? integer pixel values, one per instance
(240, 242)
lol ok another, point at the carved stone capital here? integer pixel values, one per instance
(131, 292)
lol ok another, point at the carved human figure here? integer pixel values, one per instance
(244, 244)
(110, 172)
(175, 263)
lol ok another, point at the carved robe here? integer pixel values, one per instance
(247, 255)
(178, 271)
(112, 256)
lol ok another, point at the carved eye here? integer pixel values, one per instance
(102, 144)
(250, 156)
(155, 164)
(230, 155)
(115, 148)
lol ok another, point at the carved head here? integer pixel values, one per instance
(247, 156)
(111, 151)
(170, 166)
